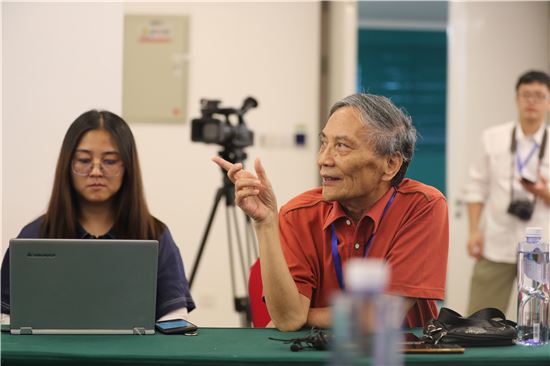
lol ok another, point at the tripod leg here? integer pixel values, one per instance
(219, 195)
(230, 249)
(228, 191)
(244, 268)
(241, 303)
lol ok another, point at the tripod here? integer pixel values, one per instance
(227, 191)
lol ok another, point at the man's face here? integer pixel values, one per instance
(351, 172)
(533, 102)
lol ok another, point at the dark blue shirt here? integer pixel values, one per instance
(172, 286)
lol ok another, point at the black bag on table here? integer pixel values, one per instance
(486, 327)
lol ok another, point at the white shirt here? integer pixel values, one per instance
(491, 178)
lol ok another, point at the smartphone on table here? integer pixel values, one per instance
(433, 348)
(413, 344)
(176, 326)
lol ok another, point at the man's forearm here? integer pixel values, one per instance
(474, 215)
(287, 307)
(320, 317)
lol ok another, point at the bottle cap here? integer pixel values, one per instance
(533, 231)
(366, 274)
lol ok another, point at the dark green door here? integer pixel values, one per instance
(410, 67)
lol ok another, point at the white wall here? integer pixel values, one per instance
(490, 45)
(60, 59)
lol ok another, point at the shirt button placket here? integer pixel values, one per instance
(356, 245)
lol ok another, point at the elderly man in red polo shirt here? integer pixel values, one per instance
(365, 207)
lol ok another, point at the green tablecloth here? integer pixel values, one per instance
(219, 346)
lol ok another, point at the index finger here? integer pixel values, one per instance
(260, 171)
(224, 164)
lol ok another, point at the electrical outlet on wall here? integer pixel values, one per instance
(277, 140)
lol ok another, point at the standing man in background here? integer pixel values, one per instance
(509, 182)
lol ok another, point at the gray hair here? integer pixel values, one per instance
(390, 130)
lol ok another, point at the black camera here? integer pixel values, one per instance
(211, 130)
(523, 209)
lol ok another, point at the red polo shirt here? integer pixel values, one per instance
(412, 237)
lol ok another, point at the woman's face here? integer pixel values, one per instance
(97, 168)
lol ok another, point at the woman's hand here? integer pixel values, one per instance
(253, 193)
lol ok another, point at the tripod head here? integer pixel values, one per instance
(233, 155)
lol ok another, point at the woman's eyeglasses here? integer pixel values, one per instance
(109, 167)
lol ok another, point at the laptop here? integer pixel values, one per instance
(83, 286)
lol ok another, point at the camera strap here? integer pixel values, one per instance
(521, 165)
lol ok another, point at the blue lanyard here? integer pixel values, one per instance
(336, 256)
(522, 164)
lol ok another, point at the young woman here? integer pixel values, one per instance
(98, 193)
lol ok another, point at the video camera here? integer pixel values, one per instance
(210, 130)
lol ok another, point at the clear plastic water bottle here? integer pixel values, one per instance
(366, 322)
(532, 328)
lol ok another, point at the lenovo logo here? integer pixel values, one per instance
(40, 255)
